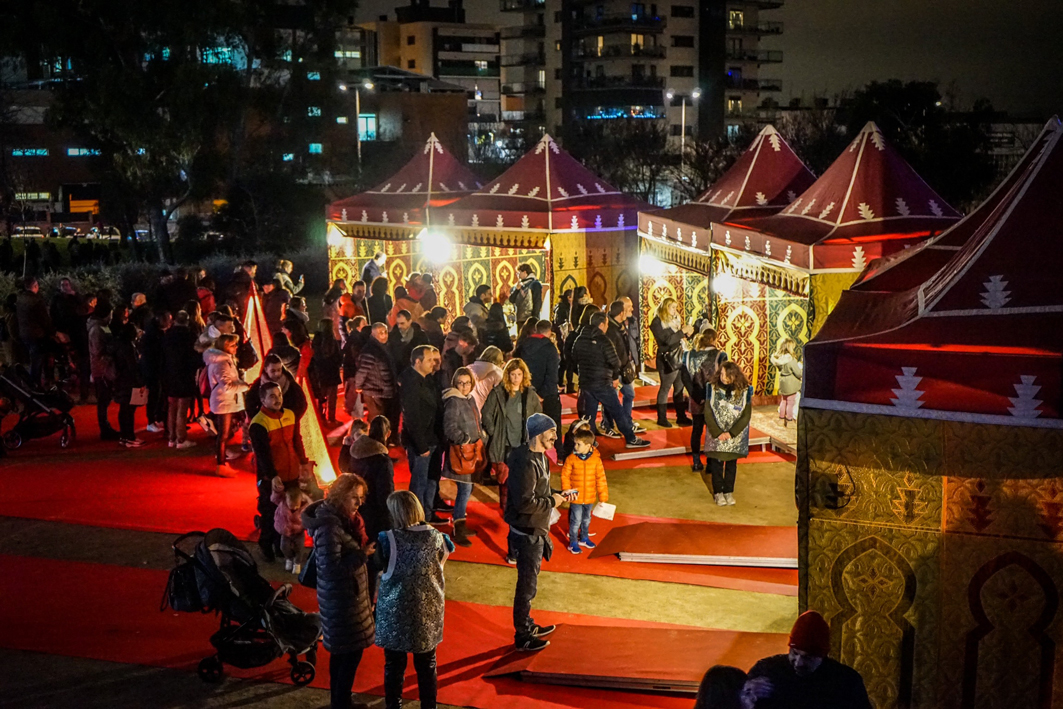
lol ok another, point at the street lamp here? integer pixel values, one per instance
(694, 96)
(368, 86)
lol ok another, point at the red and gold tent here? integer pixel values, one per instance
(931, 462)
(763, 181)
(432, 178)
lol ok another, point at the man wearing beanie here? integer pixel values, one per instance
(806, 677)
(528, 507)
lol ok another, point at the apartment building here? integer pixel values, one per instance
(437, 41)
(572, 60)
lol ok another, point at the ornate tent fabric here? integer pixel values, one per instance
(979, 341)
(432, 177)
(546, 190)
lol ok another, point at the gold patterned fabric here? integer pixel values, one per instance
(935, 551)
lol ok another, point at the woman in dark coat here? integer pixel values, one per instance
(180, 362)
(128, 377)
(341, 549)
(495, 331)
(581, 300)
(324, 370)
(461, 426)
(669, 332)
(379, 302)
(369, 459)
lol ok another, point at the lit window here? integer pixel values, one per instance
(288, 157)
(217, 55)
(542, 78)
(481, 64)
(315, 148)
(141, 151)
(313, 111)
(732, 131)
(29, 152)
(287, 56)
(33, 196)
(313, 76)
(637, 40)
(734, 105)
(348, 54)
(341, 119)
(81, 152)
(736, 19)
(601, 45)
(557, 46)
(367, 126)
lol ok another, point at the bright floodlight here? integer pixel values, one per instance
(696, 94)
(335, 236)
(435, 247)
(343, 87)
(368, 85)
(725, 285)
(649, 265)
(670, 95)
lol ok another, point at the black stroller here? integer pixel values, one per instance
(40, 413)
(258, 623)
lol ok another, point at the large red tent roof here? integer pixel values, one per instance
(546, 190)
(909, 268)
(869, 203)
(981, 340)
(432, 177)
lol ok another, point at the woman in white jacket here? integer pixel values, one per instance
(227, 389)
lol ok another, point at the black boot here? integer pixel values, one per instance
(461, 534)
(682, 418)
(696, 465)
(662, 416)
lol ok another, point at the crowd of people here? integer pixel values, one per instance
(466, 400)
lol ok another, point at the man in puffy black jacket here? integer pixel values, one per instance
(540, 353)
(422, 422)
(599, 372)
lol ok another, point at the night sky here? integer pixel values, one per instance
(1009, 52)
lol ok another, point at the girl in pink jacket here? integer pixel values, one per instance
(288, 521)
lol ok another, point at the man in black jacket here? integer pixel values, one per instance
(626, 346)
(404, 338)
(528, 506)
(422, 422)
(599, 372)
(543, 359)
(805, 677)
(273, 371)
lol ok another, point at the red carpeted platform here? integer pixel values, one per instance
(643, 659)
(111, 613)
(644, 396)
(702, 544)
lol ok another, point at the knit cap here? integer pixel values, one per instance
(811, 634)
(539, 424)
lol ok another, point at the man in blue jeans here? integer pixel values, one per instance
(422, 421)
(599, 372)
(528, 507)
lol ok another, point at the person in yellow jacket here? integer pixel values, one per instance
(583, 473)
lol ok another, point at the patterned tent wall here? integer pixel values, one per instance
(456, 280)
(749, 323)
(605, 262)
(935, 551)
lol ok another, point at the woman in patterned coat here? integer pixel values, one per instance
(409, 610)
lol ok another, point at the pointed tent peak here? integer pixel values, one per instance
(546, 142)
(433, 143)
(768, 130)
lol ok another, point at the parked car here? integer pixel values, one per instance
(65, 232)
(28, 231)
(105, 232)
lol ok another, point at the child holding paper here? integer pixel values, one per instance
(584, 474)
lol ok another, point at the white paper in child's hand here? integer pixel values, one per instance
(604, 510)
(555, 517)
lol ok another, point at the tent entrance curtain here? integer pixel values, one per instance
(753, 269)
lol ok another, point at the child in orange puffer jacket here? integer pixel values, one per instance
(583, 472)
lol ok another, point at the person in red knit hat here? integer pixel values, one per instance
(805, 677)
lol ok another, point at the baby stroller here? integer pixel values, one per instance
(40, 413)
(258, 623)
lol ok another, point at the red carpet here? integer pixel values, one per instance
(111, 613)
(644, 396)
(714, 544)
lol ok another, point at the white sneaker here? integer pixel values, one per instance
(207, 425)
(172, 444)
(287, 564)
(720, 499)
(296, 568)
(155, 428)
(185, 444)
(729, 498)
(233, 453)
(637, 428)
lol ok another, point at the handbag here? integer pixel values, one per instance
(182, 593)
(467, 458)
(139, 396)
(308, 576)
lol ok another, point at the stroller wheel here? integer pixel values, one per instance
(303, 673)
(258, 521)
(210, 669)
(12, 440)
(64, 439)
